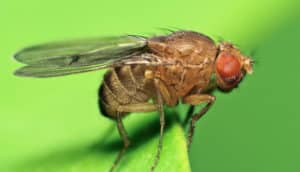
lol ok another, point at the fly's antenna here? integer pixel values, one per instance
(256, 59)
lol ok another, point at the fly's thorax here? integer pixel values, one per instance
(193, 56)
(185, 46)
(182, 79)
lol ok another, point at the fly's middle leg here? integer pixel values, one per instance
(196, 99)
(159, 101)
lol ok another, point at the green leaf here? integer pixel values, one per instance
(143, 131)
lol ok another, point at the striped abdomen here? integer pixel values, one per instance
(122, 86)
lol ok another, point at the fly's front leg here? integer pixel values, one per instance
(196, 99)
(189, 115)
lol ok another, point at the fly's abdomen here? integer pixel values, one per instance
(122, 86)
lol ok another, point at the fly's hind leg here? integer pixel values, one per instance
(125, 139)
(196, 99)
(142, 107)
(139, 107)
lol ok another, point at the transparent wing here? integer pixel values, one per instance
(62, 58)
(51, 71)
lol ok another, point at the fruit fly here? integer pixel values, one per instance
(181, 66)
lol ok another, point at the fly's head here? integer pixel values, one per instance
(231, 66)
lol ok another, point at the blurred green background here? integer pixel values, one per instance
(51, 121)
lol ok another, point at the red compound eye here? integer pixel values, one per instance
(228, 67)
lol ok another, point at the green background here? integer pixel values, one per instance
(51, 122)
